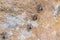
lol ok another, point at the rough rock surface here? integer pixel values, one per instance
(29, 20)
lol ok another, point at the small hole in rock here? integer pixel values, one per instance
(34, 17)
(3, 35)
(39, 8)
(29, 27)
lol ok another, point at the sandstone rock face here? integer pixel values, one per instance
(29, 20)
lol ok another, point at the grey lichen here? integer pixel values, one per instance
(24, 34)
(14, 21)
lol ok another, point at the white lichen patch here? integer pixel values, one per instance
(24, 34)
(17, 29)
(4, 25)
(14, 21)
(10, 33)
(11, 21)
(33, 23)
(21, 19)
(18, 20)
(38, 39)
(56, 10)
